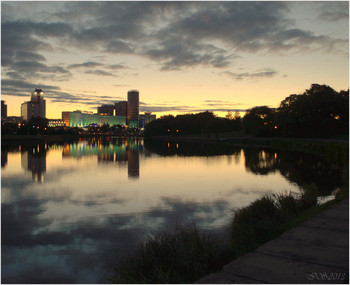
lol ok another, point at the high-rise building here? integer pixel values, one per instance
(36, 107)
(3, 110)
(105, 110)
(121, 108)
(133, 108)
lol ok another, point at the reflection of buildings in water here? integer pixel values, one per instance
(34, 160)
(132, 151)
(3, 158)
(105, 157)
(120, 152)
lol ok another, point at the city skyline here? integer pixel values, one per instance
(184, 57)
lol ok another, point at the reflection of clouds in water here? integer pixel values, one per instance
(88, 242)
(66, 231)
(172, 211)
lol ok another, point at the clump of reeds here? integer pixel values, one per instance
(186, 253)
(264, 219)
(179, 256)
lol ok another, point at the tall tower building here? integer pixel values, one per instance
(3, 110)
(36, 107)
(121, 108)
(133, 108)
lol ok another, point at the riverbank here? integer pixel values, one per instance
(187, 253)
(317, 251)
(336, 149)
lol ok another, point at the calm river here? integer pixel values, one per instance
(66, 208)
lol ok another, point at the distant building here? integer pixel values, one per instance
(133, 108)
(36, 107)
(3, 110)
(121, 108)
(14, 119)
(82, 119)
(53, 123)
(105, 110)
(146, 118)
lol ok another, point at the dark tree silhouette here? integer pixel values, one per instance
(259, 121)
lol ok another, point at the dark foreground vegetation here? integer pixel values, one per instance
(186, 253)
(320, 112)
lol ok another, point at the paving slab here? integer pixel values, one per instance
(327, 223)
(227, 278)
(307, 252)
(319, 237)
(274, 269)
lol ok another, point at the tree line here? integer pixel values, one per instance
(319, 112)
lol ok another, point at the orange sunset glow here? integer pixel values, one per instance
(183, 57)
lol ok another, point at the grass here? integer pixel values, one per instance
(187, 253)
(179, 256)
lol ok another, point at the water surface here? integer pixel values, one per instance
(66, 207)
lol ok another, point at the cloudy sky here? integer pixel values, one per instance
(182, 56)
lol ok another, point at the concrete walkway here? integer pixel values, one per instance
(315, 252)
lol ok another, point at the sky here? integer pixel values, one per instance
(183, 57)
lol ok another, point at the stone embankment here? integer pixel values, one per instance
(315, 252)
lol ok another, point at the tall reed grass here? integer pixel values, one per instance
(187, 253)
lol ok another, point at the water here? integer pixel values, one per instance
(67, 208)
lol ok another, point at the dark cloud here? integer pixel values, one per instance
(54, 93)
(334, 12)
(165, 108)
(116, 66)
(222, 107)
(177, 35)
(118, 46)
(221, 103)
(100, 72)
(15, 76)
(89, 64)
(21, 45)
(178, 51)
(259, 74)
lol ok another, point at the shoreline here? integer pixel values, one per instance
(331, 148)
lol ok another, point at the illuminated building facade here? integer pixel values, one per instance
(55, 123)
(36, 107)
(133, 109)
(80, 119)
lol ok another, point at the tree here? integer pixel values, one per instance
(259, 121)
(37, 125)
(319, 112)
